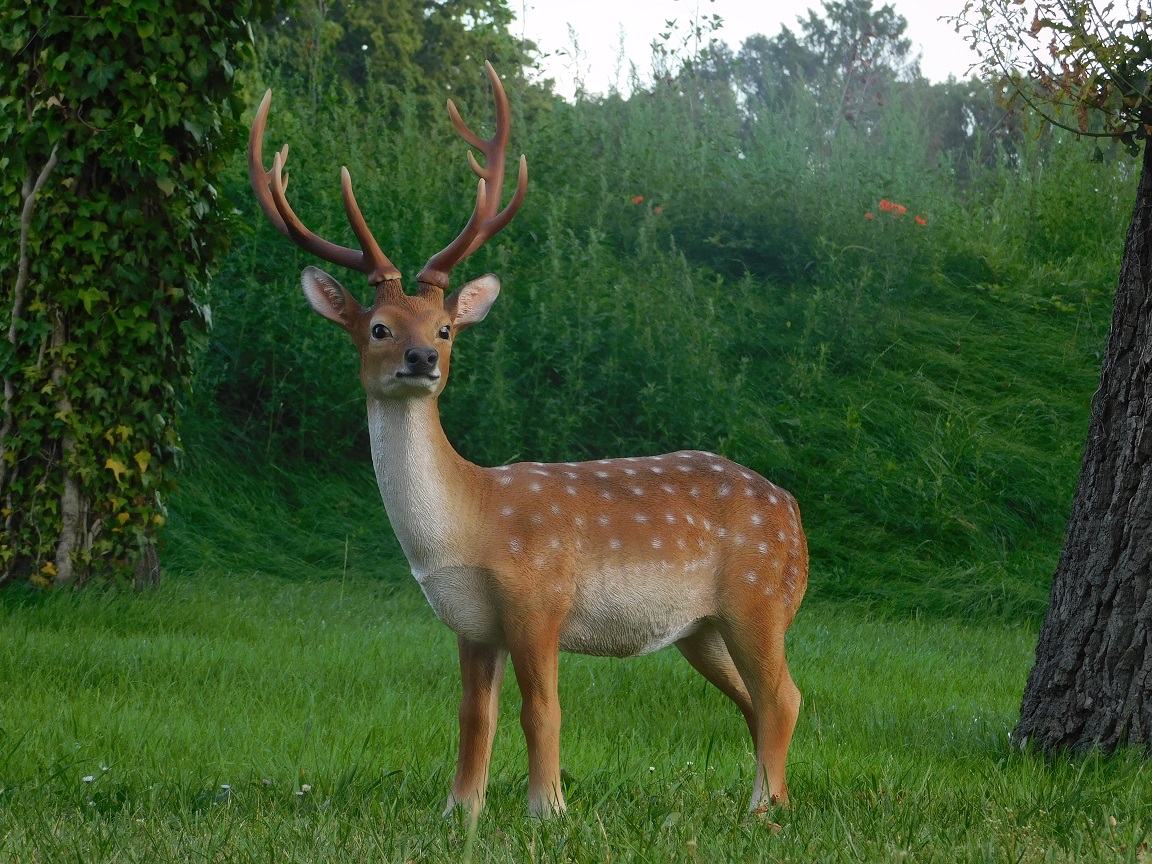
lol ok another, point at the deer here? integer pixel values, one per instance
(611, 557)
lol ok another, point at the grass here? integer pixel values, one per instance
(305, 711)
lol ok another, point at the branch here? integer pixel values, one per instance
(29, 192)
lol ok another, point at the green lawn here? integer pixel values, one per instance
(186, 724)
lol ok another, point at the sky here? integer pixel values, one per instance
(597, 25)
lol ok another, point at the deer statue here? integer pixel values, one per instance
(615, 557)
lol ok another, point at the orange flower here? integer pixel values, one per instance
(869, 216)
(920, 220)
(886, 205)
(657, 209)
(899, 208)
(637, 199)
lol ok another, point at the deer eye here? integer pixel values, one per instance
(445, 332)
(379, 331)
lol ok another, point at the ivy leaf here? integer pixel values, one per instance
(116, 467)
(166, 185)
(143, 459)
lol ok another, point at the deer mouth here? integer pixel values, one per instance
(427, 376)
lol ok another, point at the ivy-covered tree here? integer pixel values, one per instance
(115, 120)
(1088, 68)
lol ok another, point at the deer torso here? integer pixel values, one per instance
(630, 555)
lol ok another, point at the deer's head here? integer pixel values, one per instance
(404, 341)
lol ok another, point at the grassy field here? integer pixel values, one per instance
(305, 711)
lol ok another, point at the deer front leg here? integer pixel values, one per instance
(482, 671)
(536, 661)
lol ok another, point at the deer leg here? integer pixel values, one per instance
(759, 657)
(536, 662)
(482, 671)
(706, 651)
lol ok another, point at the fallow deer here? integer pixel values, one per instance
(615, 557)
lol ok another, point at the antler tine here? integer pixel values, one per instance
(485, 222)
(269, 188)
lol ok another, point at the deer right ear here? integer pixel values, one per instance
(327, 296)
(469, 303)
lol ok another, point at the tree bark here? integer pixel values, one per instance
(1091, 686)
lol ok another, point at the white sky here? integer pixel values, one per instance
(598, 23)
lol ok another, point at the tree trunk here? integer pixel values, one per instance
(1092, 683)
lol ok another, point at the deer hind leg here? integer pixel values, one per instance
(536, 662)
(706, 651)
(482, 672)
(759, 657)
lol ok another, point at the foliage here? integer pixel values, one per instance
(846, 58)
(104, 294)
(423, 48)
(1095, 65)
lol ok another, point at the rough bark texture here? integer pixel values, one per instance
(1092, 682)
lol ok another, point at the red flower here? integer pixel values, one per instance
(869, 216)
(886, 205)
(899, 208)
(920, 220)
(637, 199)
(657, 209)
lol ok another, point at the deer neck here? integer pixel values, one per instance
(431, 493)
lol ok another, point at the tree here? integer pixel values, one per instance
(1088, 69)
(847, 57)
(114, 123)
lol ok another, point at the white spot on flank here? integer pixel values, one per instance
(613, 543)
(515, 545)
(668, 489)
(670, 518)
(605, 494)
(571, 475)
(656, 469)
(554, 543)
(763, 547)
(781, 536)
(767, 590)
(601, 474)
(772, 499)
(707, 525)
(684, 468)
(538, 562)
(694, 492)
(505, 479)
(689, 518)
(535, 487)
(680, 544)
(795, 540)
(658, 458)
(724, 491)
(580, 521)
(749, 491)
(747, 475)
(630, 471)
(503, 468)
(721, 532)
(507, 511)
(637, 490)
(571, 490)
(657, 543)
(716, 466)
(603, 461)
(603, 519)
(539, 472)
(750, 576)
(793, 571)
(554, 510)
(755, 518)
(537, 518)
(641, 518)
(739, 539)
(700, 542)
(683, 455)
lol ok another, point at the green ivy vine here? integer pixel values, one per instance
(115, 121)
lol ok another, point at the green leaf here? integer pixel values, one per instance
(145, 29)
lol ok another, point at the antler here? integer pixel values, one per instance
(270, 187)
(485, 221)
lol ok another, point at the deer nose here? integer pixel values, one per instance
(421, 360)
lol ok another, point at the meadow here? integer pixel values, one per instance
(922, 387)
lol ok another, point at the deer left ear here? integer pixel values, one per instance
(469, 304)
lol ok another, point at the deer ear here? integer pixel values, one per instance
(469, 303)
(327, 296)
